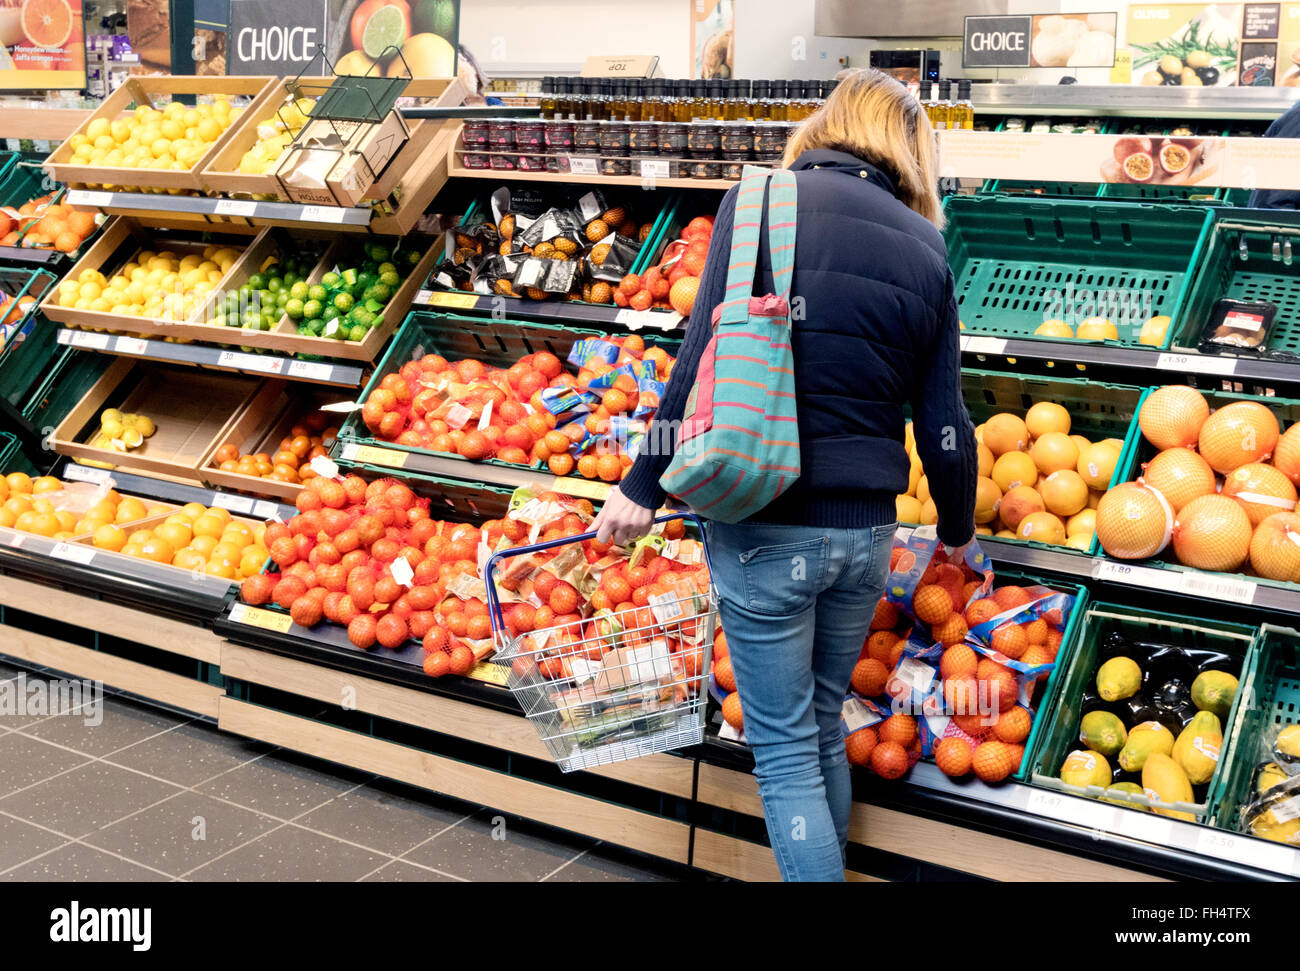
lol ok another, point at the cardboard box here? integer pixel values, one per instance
(334, 163)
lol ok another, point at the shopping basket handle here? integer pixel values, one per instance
(489, 573)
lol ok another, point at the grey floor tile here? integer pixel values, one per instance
(87, 798)
(291, 854)
(525, 853)
(189, 754)
(121, 723)
(182, 833)
(399, 871)
(276, 786)
(77, 863)
(596, 867)
(29, 760)
(381, 820)
(21, 841)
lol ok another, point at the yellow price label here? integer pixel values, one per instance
(390, 457)
(460, 301)
(587, 488)
(265, 619)
(489, 672)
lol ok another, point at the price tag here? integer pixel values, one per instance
(587, 488)
(131, 345)
(457, 415)
(855, 715)
(489, 672)
(342, 407)
(224, 500)
(257, 617)
(84, 338)
(80, 197)
(985, 345)
(1137, 576)
(251, 362)
(235, 207)
(1144, 826)
(73, 552)
(579, 165)
(1197, 363)
(916, 673)
(324, 466)
(655, 168)
(1081, 812)
(447, 298)
(1240, 848)
(372, 455)
(323, 214)
(1232, 589)
(84, 473)
(310, 370)
(264, 510)
(14, 538)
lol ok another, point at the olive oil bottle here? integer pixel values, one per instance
(961, 116)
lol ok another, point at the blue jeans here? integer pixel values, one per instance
(796, 605)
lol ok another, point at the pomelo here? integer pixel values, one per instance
(1172, 416)
(1212, 533)
(1262, 489)
(1134, 521)
(1237, 434)
(1180, 475)
(1275, 547)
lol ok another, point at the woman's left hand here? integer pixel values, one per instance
(622, 520)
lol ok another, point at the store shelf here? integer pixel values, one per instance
(457, 170)
(558, 310)
(203, 355)
(30, 256)
(221, 210)
(1137, 101)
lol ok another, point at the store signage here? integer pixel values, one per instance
(626, 66)
(996, 42)
(274, 36)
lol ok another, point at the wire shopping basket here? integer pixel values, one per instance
(616, 685)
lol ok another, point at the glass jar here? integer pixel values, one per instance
(643, 138)
(614, 136)
(530, 134)
(737, 136)
(672, 139)
(501, 134)
(559, 136)
(704, 138)
(475, 134)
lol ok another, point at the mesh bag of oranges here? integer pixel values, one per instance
(605, 647)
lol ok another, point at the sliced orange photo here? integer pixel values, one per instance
(47, 23)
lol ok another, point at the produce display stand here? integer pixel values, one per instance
(165, 635)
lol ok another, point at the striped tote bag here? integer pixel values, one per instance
(738, 444)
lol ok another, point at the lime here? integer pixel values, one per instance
(274, 284)
(380, 292)
(331, 280)
(331, 313)
(386, 268)
(250, 319)
(378, 252)
(299, 290)
(282, 298)
(390, 280)
(294, 308)
(412, 258)
(358, 333)
(256, 282)
(312, 309)
(343, 302)
(218, 320)
(315, 326)
(317, 292)
(387, 28)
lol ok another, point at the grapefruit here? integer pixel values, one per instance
(1084, 521)
(987, 499)
(1014, 469)
(985, 459)
(1212, 533)
(1154, 330)
(1275, 547)
(1286, 457)
(1054, 328)
(1047, 416)
(1018, 503)
(1064, 492)
(1237, 434)
(1041, 527)
(1097, 463)
(1172, 416)
(1134, 521)
(1262, 489)
(1054, 451)
(1097, 329)
(908, 509)
(1005, 432)
(1180, 475)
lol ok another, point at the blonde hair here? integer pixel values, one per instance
(876, 118)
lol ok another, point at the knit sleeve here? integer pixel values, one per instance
(945, 437)
(642, 482)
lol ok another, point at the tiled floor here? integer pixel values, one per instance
(150, 795)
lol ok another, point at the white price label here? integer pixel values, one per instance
(323, 214)
(485, 419)
(1240, 848)
(350, 450)
(1137, 576)
(655, 168)
(131, 345)
(73, 552)
(402, 571)
(85, 338)
(984, 345)
(84, 473)
(1080, 812)
(424, 296)
(80, 197)
(580, 165)
(265, 510)
(224, 500)
(250, 362)
(341, 406)
(1197, 363)
(235, 207)
(1232, 589)
(324, 466)
(310, 370)
(916, 673)
(666, 607)
(457, 415)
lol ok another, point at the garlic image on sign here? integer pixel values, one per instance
(1062, 41)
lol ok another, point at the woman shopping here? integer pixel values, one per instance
(873, 328)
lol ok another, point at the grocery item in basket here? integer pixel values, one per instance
(1214, 691)
(275, 133)
(173, 136)
(309, 438)
(1163, 779)
(1275, 815)
(352, 296)
(42, 223)
(1286, 749)
(170, 284)
(260, 302)
(1238, 325)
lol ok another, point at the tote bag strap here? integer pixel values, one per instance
(744, 246)
(782, 204)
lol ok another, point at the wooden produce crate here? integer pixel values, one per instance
(259, 427)
(153, 91)
(191, 409)
(221, 174)
(119, 241)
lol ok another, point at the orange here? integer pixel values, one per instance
(982, 611)
(1237, 434)
(208, 525)
(880, 644)
(860, 745)
(109, 537)
(723, 674)
(46, 483)
(175, 534)
(47, 23)
(958, 661)
(952, 631)
(1013, 725)
(899, 729)
(993, 761)
(953, 757)
(1213, 533)
(885, 616)
(731, 712)
(44, 524)
(932, 604)
(1134, 521)
(19, 482)
(1010, 640)
(869, 677)
(157, 550)
(1172, 416)
(889, 760)
(129, 510)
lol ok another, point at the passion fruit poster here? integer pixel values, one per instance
(42, 45)
(390, 38)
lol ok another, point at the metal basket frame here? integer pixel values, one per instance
(590, 712)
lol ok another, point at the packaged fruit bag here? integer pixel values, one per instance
(1274, 814)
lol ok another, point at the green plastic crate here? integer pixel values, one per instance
(1265, 274)
(1160, 193)
(1043, 189)
(1270, 699)
(1015, 261)
(1065, 707)
(12, 458)
(1097, 410)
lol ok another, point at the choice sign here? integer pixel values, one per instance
(274, 36)
(997, 42)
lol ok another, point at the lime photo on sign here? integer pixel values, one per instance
(392, 38)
